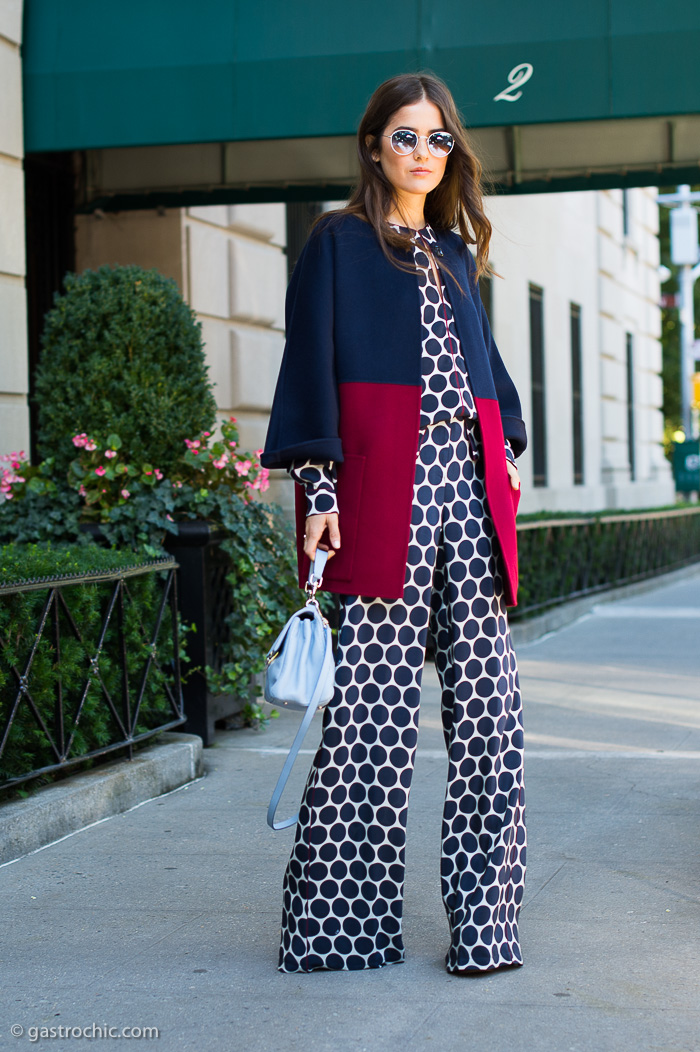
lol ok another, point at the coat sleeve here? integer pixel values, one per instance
(305, 411)
(508, 399)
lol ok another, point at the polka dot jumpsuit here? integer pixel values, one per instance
(343, 886)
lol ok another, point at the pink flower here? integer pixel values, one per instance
(125, 494)
(82, 491)
(193, 443)
(8, 480)
(14, 459)
(243, 467)
(221, 462)
(109, 453)
(261, 482)
(148, 472)
(206, 434)
(232, 445)
(100, 471)
(177, 485)
(170, 518)
(90, 445)
(80, 440)
(159, 474)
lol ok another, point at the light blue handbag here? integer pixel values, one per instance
(300, 673)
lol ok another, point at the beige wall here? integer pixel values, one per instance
(14, 413)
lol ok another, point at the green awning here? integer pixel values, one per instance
(155, 72)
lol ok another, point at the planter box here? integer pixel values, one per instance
(205, 600)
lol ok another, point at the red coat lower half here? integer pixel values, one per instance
(379, 434)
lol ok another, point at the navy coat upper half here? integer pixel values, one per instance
(349, 390)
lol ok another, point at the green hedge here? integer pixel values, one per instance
(565, 558)
(122, 352)
(27, 748)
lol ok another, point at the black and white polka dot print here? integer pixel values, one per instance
(319, 482)
(343, 886)
(446, 392)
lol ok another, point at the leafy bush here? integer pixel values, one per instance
(122, 353)
(27, 748)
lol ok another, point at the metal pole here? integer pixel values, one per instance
(687, 335)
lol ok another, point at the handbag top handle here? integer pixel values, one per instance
(316, 572)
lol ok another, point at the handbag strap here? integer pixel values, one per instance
(292, 755)
(315, 576)
(316, 571)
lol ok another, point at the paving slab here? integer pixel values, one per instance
(168, 915)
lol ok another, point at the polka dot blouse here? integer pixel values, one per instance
(446, 393)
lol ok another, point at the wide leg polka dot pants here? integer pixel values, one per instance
(343, 887)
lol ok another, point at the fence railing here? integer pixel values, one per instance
(562, 559)
(83, 674)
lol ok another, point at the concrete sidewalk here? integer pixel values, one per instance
(168, 915)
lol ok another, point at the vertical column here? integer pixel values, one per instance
(14, 413)
(236, 282)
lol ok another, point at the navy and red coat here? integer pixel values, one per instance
(349, 390)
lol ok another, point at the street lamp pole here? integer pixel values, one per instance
(684, 253)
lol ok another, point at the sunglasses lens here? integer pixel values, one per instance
(404, 141)
(440, 143)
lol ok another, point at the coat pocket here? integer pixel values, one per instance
(350, 479)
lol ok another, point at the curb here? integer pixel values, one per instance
(55, 811)
(531, 629)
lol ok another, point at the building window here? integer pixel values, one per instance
(486, 293)
(300, 216)
(625, 213)
(576, 393)
(539, 429)
(629, 349)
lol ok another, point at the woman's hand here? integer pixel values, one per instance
(314, 530)
(513, 474)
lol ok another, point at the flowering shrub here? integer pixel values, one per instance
(223, 464)
(106, 478)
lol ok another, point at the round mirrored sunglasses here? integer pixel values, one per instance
(403, 141)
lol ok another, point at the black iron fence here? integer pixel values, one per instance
(563, 559)
(89, 664)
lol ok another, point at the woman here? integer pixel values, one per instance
(396, 416)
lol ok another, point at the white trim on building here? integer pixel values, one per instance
(14, 378)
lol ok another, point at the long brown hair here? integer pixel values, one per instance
(457, 199)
